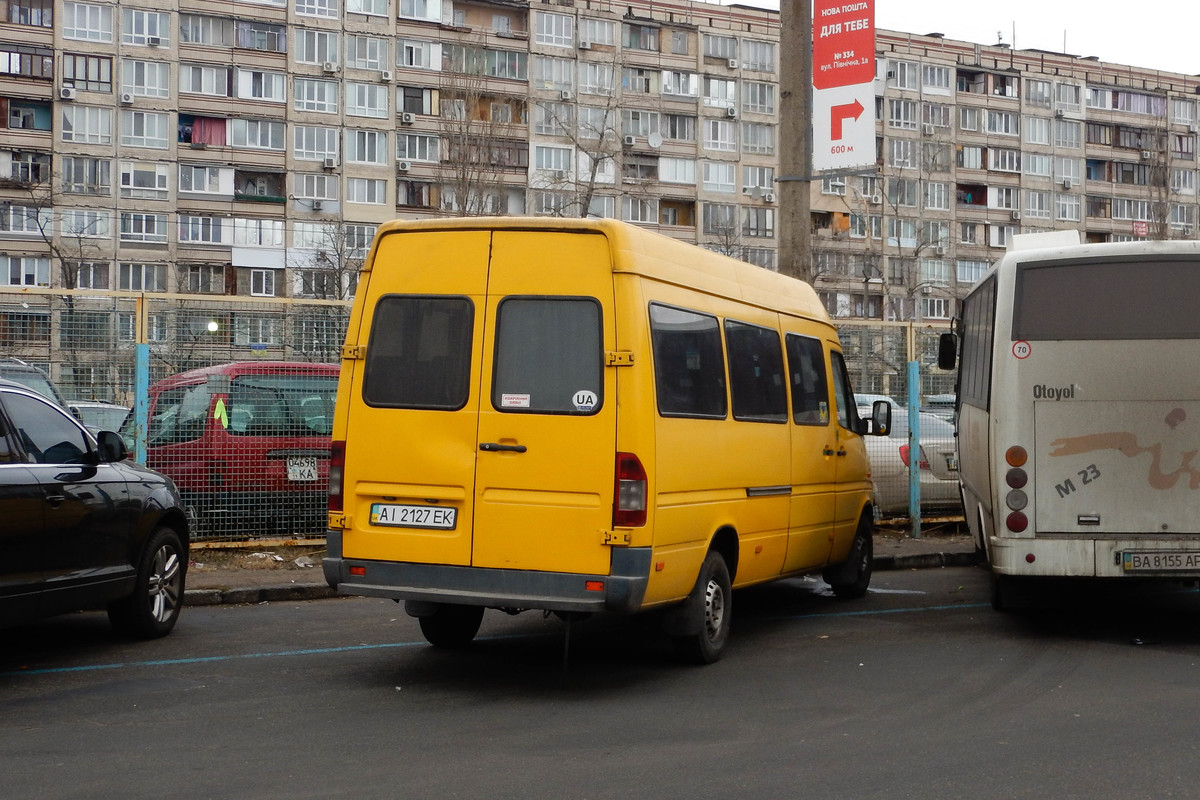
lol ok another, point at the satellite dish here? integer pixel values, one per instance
(655, 140)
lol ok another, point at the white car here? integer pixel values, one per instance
(938, 463)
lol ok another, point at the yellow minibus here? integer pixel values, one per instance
(581, 415)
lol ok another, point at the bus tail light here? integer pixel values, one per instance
(1016, 457)
(904, 456)
(337, 473)
(629, 501)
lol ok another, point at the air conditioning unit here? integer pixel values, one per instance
(560, 174)
(1016, 215)
(927, 129)
(403, 166)
(630, 141)
(1145, 155)
(733, 63)
(769, 197)
(1194, 127)
(127, 99)
(329, 66)
(385, 74)
(330, 162)
(939, 250)
(1059, 113)
(875, 199)
(585, 45)
(407, 118)
(317, 205)
(731, 112)
(66, 93)
(565, 94)
(1067, 183)
(153, 41)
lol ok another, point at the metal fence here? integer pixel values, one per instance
(248, 444)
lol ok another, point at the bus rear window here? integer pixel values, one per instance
(1135, 298)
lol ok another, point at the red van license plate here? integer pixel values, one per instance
(302, 468)
(402, 516)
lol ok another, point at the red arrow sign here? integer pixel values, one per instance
(840, 113)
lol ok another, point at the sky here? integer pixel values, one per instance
(1158, 34)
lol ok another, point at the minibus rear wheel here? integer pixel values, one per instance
(451, 625)
(711, 601)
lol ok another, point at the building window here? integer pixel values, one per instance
(639, 209)
(83, 223)
(370, 191)
(758, 55)
(142, 277)
(367, 147)
(87, 22)
(144, 129)
(758, 138)
(316, 47)
(205, 30)
(902, 74)
(720, 176)
(257, 134)
(147, 28)
(147, 181)
(557, 30)
(203, 79)
(367, 100)
(417, 147)
(902, 114)
(141, 227)
(316, 186)
(90, 73)
(313, 143)
(367, 52)
(314, 95)
(259, 85)
(24, 271)
(418, 55)
(86, 124)
(639, 37)
(317, 8)
(38, 13)
(262, 282)
(82, 175)
(759, 98)
(758, 222)
(720, 135)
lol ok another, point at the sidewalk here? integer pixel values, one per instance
(272, 574)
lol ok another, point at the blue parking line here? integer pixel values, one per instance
(316, 651)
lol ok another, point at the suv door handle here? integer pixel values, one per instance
(496, 447)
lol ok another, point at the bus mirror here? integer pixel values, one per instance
(947, 350)
(881, 418)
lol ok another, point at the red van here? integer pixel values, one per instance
(247, 444)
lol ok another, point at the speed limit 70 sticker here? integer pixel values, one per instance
(1022, 349)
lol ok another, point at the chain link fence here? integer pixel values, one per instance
(241, 393)
(240, 397)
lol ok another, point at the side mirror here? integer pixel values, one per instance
(111, 447)
(881, 418)
(947, 350)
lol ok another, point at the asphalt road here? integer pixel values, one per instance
(919, 690)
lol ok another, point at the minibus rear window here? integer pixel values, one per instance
(419, 352)
(548, 356)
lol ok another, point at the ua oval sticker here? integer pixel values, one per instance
(584, 399)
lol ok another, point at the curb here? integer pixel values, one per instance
(321, 591)
(258, 594)
(925, 561)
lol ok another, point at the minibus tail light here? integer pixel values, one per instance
(629, 503)
(337, 470)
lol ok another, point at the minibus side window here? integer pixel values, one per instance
(847, 410)
(810, 386)
(549, 356)
(419, 352)
(689, 367)
(755, 373)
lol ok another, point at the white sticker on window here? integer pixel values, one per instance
(584, 400)
(514, 401)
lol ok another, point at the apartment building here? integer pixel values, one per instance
(249, 150)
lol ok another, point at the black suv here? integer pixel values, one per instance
(83, 527)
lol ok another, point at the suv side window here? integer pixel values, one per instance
(48, 435)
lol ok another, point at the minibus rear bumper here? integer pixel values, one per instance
(621, 591)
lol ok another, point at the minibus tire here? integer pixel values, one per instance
(712, 598)
(850, 581)
(451, 625)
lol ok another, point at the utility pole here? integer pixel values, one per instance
(795, 138)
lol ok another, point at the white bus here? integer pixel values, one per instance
(1079, 410)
